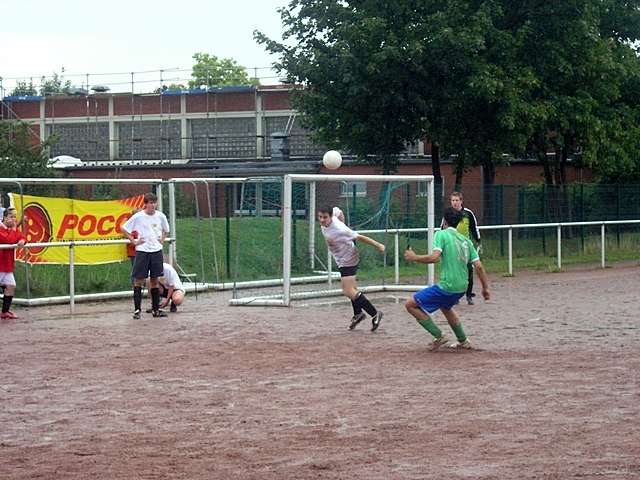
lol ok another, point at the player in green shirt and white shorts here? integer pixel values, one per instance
(455, 252)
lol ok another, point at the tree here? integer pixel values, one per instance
(212, 71)
(474, 88)
(55, 85)
(21, 152)
(581, 57)
(485, 80)
(378, 75)
(361, 72)
(613, 149)
(23, 88)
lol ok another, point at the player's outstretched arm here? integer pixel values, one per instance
(484, 280)
(380, 247)
(411, 256)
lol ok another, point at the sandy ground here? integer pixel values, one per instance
(552, 391)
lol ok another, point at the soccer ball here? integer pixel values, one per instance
(332, 160)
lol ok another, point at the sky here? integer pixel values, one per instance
(115, 36)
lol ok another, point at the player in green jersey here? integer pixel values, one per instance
(455, 253)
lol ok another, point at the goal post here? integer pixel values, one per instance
(301, 197)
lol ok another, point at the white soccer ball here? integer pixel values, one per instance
(332, 160)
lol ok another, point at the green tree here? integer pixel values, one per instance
(360, 66)
(55, 85)
(474, 89)
(21, 152)
(379, 75)
(581, 56)
(484, 80)
(613, 150)
(212, 71)
(23, 88)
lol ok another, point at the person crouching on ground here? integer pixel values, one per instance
(10, 235)
(171, 288)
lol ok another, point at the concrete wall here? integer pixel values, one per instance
(223, 138)
(150, 140)
(88, 140)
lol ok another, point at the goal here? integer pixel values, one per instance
(396, 210)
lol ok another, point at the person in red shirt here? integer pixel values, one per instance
(131, 247)
(9, 234)
(131, 253)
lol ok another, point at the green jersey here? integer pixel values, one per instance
(457, 252)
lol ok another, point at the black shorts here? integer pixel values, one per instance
(148, 265)
(348, 271)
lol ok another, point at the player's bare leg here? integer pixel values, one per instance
(176, 299)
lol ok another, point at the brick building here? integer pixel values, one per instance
(225, 131)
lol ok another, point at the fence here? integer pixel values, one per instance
(540, 203)
(396, 253)
(510, 228)
(72, 283)
(217, 219)
(86, 188)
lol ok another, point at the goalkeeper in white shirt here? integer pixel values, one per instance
(339, 238)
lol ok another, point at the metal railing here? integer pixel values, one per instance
(71, 245)
(510, 228)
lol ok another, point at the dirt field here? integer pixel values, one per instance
(553, 391)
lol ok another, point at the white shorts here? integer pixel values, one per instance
(6, 279)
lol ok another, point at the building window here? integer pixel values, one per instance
(346, 189)
(422, 190)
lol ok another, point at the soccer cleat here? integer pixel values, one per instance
(173, 308)
(356, 319)
(159, 313)
(438, 342)
(149, 310)
(466, 345)
(9, 315)
(469, 300)
(375, 321)
(136, 315)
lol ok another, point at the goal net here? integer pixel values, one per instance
(395, 210)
